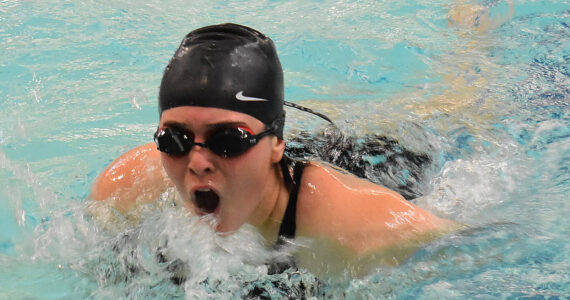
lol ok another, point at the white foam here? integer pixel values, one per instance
(188, 244)
(466, 187)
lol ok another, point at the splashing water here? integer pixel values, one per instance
(487, 107)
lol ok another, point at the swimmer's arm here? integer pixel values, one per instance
(136, 177)
(361, 216)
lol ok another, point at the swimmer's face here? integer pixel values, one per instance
(236, 190)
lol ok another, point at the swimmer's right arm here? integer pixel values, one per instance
(136, 177)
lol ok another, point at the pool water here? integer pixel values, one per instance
(488, 102)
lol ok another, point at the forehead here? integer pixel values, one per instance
(196, 116)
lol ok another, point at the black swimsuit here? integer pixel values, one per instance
(288, 226)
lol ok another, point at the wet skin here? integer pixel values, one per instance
(343, 223)
(344, 217)
(249, 186)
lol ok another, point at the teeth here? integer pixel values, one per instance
(204, 190)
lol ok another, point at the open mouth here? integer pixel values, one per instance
(206, 200)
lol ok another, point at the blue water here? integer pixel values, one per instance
(79, 82)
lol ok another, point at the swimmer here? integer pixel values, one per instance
(219, 143)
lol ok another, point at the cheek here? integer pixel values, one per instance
(174, 168)
(251, 169)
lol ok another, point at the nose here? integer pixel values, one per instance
(200, 162)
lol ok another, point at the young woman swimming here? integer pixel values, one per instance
(220, 143)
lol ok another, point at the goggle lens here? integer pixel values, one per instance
(230, 142)
(173, 141)
(227, 142)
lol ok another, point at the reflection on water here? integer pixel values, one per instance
(487, 107)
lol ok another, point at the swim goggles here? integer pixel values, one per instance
(226, 142)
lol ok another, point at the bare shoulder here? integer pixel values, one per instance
(358, 214)
(135, 177)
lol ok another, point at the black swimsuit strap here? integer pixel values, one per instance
(289, 223)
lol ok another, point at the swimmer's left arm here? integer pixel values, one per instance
(363, 216)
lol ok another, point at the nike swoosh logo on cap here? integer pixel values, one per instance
(241, 97)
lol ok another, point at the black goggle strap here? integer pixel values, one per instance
(305, 109)
(270, 130)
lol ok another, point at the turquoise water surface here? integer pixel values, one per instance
(78, 87)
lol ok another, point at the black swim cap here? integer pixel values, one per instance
(226, 66)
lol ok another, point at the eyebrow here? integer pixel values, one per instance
(209, 127)
(227, 124)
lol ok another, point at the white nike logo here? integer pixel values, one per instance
(241, 97)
